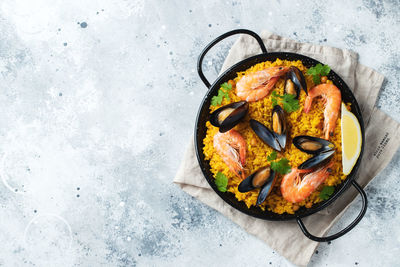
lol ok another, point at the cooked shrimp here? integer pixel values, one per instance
(294, 189)
(231, 146)
(257, 85)
(333, 99)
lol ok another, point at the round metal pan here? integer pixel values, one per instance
(203, 116)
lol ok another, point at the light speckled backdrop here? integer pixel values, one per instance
(98, 101)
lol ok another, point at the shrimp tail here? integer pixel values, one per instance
(328, 129)
(242, 153)
(307, 104)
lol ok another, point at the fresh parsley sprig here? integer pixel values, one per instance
(318, 71)
(289, 102)
(282, 166)
(272, 156)
(221, 181)
(222, 92)
(326, 192)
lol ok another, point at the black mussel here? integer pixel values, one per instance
(263, 178)
(229, 116)
(265, 134)
(279, 125)
(312, 145)
(266, 189)
(317, 161)
(294, 82)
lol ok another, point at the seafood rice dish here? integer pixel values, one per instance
(274, 136)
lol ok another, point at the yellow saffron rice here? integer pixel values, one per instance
(299, 123)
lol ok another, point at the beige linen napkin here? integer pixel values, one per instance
(381, 135)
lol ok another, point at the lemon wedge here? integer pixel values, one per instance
(351, 140)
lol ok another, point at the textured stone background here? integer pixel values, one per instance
(98, 101)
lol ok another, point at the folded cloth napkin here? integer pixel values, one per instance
(381, 143)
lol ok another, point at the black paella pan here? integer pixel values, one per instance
(203, 116)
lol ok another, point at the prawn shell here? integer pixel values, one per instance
(265, 134)
(298, 79)
(282, 138)
(240, 110)
(317, 161)
(247, 184)
(299, 142)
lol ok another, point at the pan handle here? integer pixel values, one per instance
(345, 230)
(217, 40)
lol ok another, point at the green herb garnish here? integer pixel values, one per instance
(272, 156)
(275, 94)
(289, 102)
(221, 181)
(326, 192)
(282, 166)
(318, 71)
(222, 92)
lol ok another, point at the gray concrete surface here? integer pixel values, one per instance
(98, 101)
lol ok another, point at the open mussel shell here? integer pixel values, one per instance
(295, 82)
(265, 134)
(227, 117)
(266, 189)
(279, 125)
(263, 178)
(312, 145)
(317, 161)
